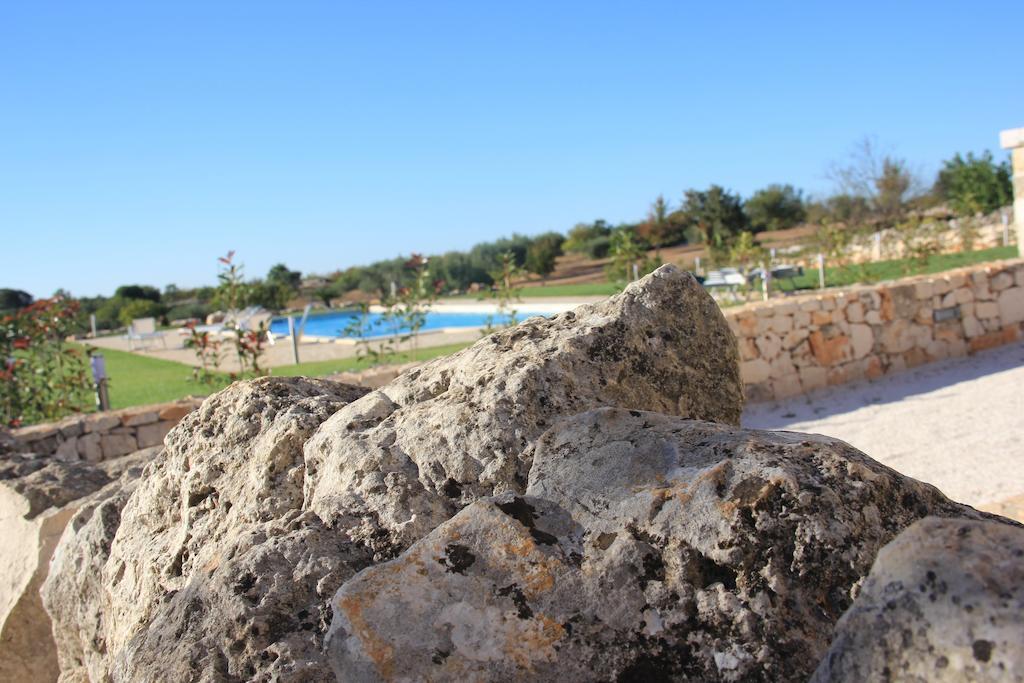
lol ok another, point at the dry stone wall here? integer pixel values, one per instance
(794, 345)
(103, 436)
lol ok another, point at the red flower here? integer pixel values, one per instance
(22, 343)
(226, 260)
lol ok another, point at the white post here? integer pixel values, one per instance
(876, 252)
(295, 339)
(1013, 140)
(696, 265)
(766, 282)
(1006, 227)
(636, 272)
(92, 324)
(773, 256)
(821, 271)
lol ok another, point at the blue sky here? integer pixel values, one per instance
(139, 141)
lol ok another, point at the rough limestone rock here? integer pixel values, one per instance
(395, 464)
(225, 558)
(647, 547)
(38, 495)
(943, 602)
(209, 569)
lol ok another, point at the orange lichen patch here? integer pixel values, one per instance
(212, 564)
(539, 580)
(380, 652)
(534, 641)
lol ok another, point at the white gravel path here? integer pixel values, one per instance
(957, 424)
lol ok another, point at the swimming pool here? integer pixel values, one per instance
(334, 324)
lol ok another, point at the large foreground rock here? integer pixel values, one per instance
(397, 463)
(647, 547)
(943, 602)
(221, 565)
(38, 496)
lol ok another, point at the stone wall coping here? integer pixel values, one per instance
(989, 267)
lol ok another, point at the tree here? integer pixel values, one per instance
(885, 183)
(974, 184)
(716, 215)
(139, 308)
(776, 207)
(14, 299)
(542, 254)
(281, 275)
(626, 254)
(582, 235)
(138, 292)
(659, 229)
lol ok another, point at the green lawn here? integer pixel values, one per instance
(581, 289)
(892, 270)
(139, 380)
(330, 367)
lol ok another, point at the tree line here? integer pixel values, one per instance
(873, 191)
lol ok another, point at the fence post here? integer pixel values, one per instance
(99, 376)
(294, 338)
(636, 272)
(1005, 215)
(696, 265)
(766, 281)
(821, 270)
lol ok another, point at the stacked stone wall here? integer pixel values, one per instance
(793, 345)
(103, 436)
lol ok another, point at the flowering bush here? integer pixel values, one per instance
(41, 376)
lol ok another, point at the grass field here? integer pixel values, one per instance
(581, 289)
(892, 270)
(139, 380)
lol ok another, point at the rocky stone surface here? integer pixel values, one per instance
(944, 602)
(405, 458)
(38, 495)
(646, 548)
(226, 556)
(210, 570)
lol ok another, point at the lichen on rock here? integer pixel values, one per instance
(647, 547)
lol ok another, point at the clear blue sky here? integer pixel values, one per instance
(140, 140)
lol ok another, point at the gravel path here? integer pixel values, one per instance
(957, 424)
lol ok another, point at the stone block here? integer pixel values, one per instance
(810, 305)
(89, 447)
(923, 289)
(35, 433)
(829, 350)
(755, 371)
(964, 295)
(821, 317)
(787, 386)
(748, 350)
(143, 417)
(794, 337)
(896, 338)
(801, 319)
(780, 324)
(67, 450)
(769, 344)
(1001, 281)
(957, 280)
(986, 309)
(873, 318)
(176, 412)
(813, 378)
(116, 445)
(990, 340)
(153, 434)
(855, 312)
(862, 340)
(1011, 305)
(940, 286)
(101, 423)
(71, 427)
(783, 365)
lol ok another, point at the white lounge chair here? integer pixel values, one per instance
(143, 330)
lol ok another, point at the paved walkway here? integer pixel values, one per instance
(958, 424)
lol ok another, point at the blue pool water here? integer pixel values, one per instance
(334, 324)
